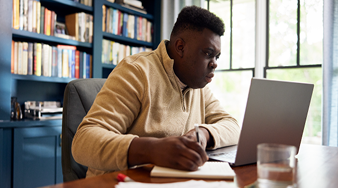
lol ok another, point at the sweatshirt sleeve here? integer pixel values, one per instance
(222, 126)
(101, 141)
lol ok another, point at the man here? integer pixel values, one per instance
(146, 110)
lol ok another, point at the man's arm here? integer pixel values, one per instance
(174, 152)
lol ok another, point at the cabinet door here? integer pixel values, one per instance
(37, 156)
(5, 157)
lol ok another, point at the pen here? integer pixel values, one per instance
(197, 133)
(123, 178)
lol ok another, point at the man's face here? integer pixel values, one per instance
(198, 62)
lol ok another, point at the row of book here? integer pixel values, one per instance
(113, 52)
(40, 59)
(30, 15)
(119, 23)
(85, 2)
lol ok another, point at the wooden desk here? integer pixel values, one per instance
(317, 166)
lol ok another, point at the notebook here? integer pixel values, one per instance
(276, 112)
(210, 170)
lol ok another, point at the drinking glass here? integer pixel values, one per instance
(276, 165)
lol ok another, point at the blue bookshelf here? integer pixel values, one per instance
(14, 135)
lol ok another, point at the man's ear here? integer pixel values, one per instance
(179, 46)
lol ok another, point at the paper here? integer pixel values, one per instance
(191, 183)
(210, 170)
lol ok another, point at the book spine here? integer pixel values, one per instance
(34, 16)
(73, 63)
(47, 21)
(54, 62)
(30, 59)
(19, 57)
(110, 52)
(77, 64)
(42, 19)
(59, 62)
(88, 66)
(84, 70)
(16, 14)
(65, 63)
(38, 15)
(80, 64)
(25, 15)
(103, 18)
(15, 58)
(37, 65)
(21, 15)
(12, 57)
(135, 27)
(24, 58)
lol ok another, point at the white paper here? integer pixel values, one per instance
(191, 183)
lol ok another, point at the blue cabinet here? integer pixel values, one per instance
(37, 156)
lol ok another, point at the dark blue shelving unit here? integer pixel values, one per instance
(37, 37)
(127, 40)
(43, 136)
(41, 78)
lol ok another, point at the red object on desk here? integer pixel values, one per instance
(123, 178)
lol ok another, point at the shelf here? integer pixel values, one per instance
(36, 37)
(30, 123)
(67, 6)
(41, 78)
(129, 11)
(131, 41)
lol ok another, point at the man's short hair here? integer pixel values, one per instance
(196, 18)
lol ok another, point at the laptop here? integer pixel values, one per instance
(276, 112)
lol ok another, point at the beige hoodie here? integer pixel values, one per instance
(142, 98)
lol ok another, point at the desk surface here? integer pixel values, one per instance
(317, 166)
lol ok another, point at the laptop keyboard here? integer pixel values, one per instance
(226, 156)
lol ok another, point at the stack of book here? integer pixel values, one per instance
(52, 61)
(114, 52)
(118, 23)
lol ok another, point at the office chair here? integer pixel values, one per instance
(79, 96)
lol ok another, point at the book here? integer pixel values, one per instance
(47, 22)
(59, 63)
(77, 64)
(72, 24)
(42, 19)
(210, 170)
(103, 18)
(38, 14)
(21, 15)
(16, 14)
(25, 15)
(30, 59)
(12, 57)
(34, 16)
(37, 59)
(24, 65)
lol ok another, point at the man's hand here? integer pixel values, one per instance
(204, 137)
(182, 152)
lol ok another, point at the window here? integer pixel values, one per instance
(294, 52)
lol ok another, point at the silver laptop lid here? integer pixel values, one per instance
(276, 112)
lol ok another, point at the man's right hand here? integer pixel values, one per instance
(174, 152)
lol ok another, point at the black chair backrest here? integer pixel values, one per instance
(78, 98)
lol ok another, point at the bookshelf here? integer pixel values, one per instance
(15, 135)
